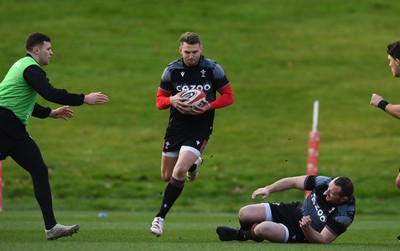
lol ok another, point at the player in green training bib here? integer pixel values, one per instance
(18, 94)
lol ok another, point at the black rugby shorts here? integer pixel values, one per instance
(289, 215)
(196, 139)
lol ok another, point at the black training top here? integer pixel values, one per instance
(36, 78)
(335, 217)
(207, 75)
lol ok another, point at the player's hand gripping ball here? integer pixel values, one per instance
(194, 97)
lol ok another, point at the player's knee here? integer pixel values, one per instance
(180, 172)
(265, 231)
(271, 231)
(166, 173)
(257, 231)
(165, 177)
(243, 213)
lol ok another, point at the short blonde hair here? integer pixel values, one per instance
(190, 38)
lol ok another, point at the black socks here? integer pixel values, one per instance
(171, 193)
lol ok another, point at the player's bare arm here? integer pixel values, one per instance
(325, 237)
(281, 185)
(392, 109)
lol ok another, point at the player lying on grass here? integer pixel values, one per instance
(325, 214)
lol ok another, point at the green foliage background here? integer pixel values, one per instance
(280, 56)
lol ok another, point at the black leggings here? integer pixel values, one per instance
(27, 154)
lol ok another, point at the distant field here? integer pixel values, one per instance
(22, 230)
(280, 56)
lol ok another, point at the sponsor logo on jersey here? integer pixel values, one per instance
(204, 87)
(318, 209)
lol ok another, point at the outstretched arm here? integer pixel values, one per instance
(392, 109)
(95, 98)
(325, 237)
(296, 182)
(37, 79)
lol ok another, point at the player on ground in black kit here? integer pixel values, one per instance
(18, 93)
(187, 133)
(325, 214)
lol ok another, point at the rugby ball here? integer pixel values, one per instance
(194, 97)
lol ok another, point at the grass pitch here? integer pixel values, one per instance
(23, 230)
(280, 56)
